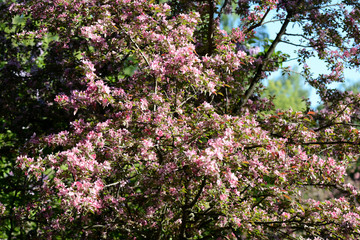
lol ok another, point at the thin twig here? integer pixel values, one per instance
(296, 45)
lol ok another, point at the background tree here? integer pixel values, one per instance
(354, 87)
(289, 92)
(184, 148)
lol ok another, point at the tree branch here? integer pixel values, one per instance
(260, 68)
(259, 23)
(198, 194)
(297, 45)
(210, 27)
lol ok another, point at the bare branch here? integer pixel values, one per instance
(296, 45)
(272, 21)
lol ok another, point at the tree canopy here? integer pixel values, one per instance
(144, 120)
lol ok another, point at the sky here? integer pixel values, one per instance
(317, 66)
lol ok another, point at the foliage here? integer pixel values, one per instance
(180, 146)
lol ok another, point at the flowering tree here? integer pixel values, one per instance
(183, 147)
